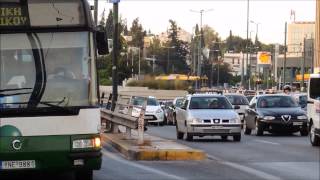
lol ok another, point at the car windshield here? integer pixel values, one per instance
(303, 100)
(152, 102)
(179, 102)
(209, 103)
(276, 102)
(237, 100)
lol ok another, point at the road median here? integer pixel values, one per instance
(154, 148)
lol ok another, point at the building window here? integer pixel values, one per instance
(238, 61)
(232, 60)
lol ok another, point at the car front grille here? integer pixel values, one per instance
(216, 131)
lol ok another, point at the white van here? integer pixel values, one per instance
(314, 109)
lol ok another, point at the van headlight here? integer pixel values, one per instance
(86, 143)
(302, 117)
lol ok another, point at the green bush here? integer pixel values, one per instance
(161, 84)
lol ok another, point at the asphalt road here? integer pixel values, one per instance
(268, 157)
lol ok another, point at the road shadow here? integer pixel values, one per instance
(279, 134)
(207, 139)
(31, 175)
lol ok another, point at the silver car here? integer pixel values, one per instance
(207, 115)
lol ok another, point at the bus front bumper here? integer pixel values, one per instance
(51, 153)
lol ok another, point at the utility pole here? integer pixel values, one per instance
(242, 69)
(303, 65)
(96, 12)
(247, 45)
(198, 84)
(285, 56)
(115, 55)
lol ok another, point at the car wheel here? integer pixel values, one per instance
(189, 137)
(224, 138)
(161, 123)
(259, 128)
(179, 134)
(314, 139)
(84, 175)
(304, 131)
(237, 138)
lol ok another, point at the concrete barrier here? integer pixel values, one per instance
(144, 91)
(155, 149)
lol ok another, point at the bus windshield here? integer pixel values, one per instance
(45, 67)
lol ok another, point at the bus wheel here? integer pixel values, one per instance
(84, 175)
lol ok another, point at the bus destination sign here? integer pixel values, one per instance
(13, 15)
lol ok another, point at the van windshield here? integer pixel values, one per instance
(315, 88)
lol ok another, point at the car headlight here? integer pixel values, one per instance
(302, 117)
(234, 120)
(268, 117)
(86, 143)
(159, 111)
(196, 120)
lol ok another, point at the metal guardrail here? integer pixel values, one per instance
(123, 115)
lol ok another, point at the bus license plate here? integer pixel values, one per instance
(29, 164)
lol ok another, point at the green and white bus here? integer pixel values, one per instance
(49, 111)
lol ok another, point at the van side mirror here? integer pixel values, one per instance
(236, 107)
(310, 102)
(102, 41)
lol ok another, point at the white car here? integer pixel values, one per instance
(153, 114)
(207, 115)
(239, 100)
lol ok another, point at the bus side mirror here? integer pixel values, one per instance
(102, 41)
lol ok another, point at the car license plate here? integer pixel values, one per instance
(148, 117)
(217, 127)
(28, 164)
(297, 123)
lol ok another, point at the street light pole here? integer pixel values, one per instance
(115, 55)
(285, 56)
(247, 44)
(198, 84)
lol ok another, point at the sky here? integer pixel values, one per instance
(222, 15)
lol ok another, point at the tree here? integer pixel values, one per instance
(209, 35)
(109, 25)
(137, 33)
(179, 57)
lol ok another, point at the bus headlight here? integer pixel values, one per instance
(86, 143)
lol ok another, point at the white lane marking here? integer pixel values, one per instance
(249, 170)
(145, 168)
(266, 142)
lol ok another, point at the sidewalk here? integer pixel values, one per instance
(155, 148)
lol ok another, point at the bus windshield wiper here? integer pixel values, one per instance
(47, 103)
(50, 103)
(14, 94)
(17, 89)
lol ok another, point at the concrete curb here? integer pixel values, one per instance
(148, 153)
